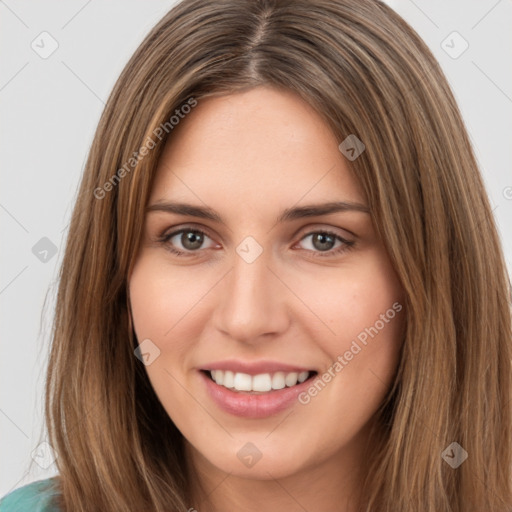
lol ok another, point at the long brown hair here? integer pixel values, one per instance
(369, 74)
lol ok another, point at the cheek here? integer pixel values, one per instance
(163, 304)
(354, 302)
(165, 300)
(152, 300)
(160, 301)
(363, 307)
(362, 304)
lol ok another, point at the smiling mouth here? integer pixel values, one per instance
(258, 384)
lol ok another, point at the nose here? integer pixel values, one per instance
(251, 301)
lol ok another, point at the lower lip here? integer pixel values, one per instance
(248, 405)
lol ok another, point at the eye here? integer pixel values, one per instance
(187, 240)
(323, 243)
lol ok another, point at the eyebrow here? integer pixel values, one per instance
(289, 214)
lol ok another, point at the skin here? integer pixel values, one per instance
(249, 156)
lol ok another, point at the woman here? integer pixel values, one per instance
(283, 285)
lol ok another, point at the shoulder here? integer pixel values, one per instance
(34, 497)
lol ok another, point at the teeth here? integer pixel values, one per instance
(242, 382)
(278, 380)
(291, 379)
(229, 379)
(261, 382)
(303, 376)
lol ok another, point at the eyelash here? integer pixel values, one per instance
(321, 254)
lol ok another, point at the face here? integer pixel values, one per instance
(272, 324)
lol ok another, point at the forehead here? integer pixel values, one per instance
(257, 148)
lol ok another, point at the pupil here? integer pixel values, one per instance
(192, 240)
(323, 238)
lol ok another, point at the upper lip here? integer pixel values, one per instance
(255, 367)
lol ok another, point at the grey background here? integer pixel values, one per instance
(50, 108)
